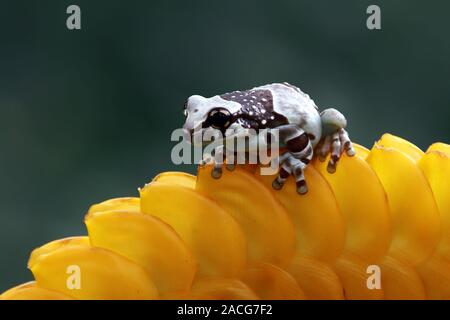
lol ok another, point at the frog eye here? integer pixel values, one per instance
(185, 112)
(219, 118)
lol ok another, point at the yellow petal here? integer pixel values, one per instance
(127, 204)
(267, 227)
(180, 178)
(441, 147)
(316, 279)
(353, 273)
(319, 225)
(149, 242)
(436, 167)
(218, 288)
(252, 168)
(435, 274)
(29, 291)
(361, 151)
(271, 283)
(84, 272)
(214, 237)
(391, 141)
(57, 244)
(415, 218)
(400, 281)
(362, 202)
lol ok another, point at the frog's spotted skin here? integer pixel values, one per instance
(279, 105)
(258, 105)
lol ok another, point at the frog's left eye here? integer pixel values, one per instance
(219, 118)
(185, 112)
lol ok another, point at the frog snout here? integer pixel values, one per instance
(192, 134)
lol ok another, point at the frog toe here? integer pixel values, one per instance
(346, 143)
(302, 188)
(230, 166)
(216, 173)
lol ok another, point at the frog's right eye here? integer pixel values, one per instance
(219, 118)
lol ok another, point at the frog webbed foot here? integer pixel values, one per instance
(295, 160)
(335, 139)
(217, 159)
(295, 167)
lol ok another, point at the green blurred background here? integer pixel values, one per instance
(87, 115)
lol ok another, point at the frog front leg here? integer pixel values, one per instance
(294, 161)
(218, 158)
(335, 139)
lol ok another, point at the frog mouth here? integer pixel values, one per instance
(238, 139)
(237, 142)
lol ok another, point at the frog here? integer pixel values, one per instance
(303, 130)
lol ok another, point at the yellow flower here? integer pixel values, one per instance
(386, 210)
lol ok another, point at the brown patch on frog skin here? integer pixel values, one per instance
(284, 174)
(305, 160)
(298, 143)
(256, 109)
(302, 121)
